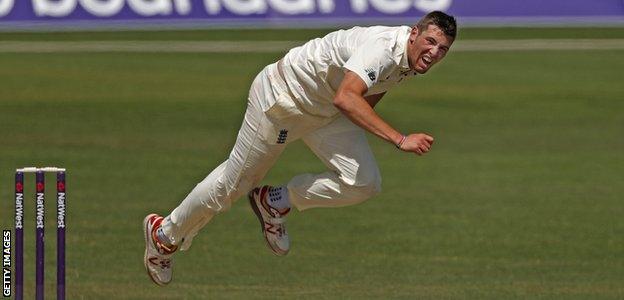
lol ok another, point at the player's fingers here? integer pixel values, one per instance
(429, 139)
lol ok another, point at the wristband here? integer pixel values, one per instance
(401, 142)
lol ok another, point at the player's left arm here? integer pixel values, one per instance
(372, 100)
(350, 100)
(363, 69)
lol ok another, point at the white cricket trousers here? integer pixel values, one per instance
(271, 122)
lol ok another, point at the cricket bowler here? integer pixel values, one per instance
(324, 93)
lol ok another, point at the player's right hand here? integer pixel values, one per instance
(419, 143)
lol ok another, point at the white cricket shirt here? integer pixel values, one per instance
(315, 70)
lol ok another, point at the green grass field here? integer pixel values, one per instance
(521, 197)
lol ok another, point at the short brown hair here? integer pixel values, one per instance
(445, 22)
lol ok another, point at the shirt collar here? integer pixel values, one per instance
(402, 41)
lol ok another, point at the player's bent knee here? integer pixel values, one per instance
(363, 190)
(360, 194)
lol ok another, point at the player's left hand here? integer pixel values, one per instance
(419, 143)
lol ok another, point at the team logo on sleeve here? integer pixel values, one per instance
(371, 73)
(281, 138)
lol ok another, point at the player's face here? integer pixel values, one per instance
(427, 48)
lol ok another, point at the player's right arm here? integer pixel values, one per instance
(351, 102)
(374, 99)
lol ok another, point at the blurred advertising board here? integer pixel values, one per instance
(299, 13)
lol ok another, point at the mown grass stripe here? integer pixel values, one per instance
(277, 46)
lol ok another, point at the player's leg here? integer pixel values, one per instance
(353, 174)
(248, 163)
(250, 159)
(353, 178)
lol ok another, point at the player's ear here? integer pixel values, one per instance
(413, 34)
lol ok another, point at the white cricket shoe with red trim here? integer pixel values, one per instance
(272, 221)
(157, 259)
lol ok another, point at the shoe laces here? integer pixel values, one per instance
(274, 212)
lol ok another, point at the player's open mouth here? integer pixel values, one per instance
(427, 60)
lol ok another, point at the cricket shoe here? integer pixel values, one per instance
(272, 221)
(158, 257)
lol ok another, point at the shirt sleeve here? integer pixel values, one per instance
(369, 61)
